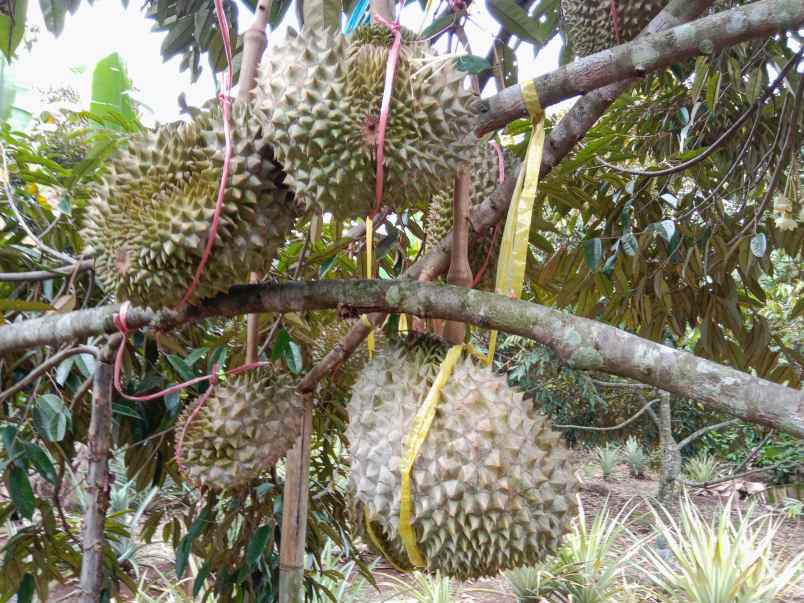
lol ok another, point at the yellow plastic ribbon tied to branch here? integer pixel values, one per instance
(514, 244)
(412, 443)
(369, 276)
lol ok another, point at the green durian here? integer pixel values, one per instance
(248, 423)
(320, 94)
(492, 488)
(149, 221)
(589, 26)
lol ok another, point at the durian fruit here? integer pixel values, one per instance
(149, 221)
(248, 423)
(484, 170)
(491, 486)
(589, 27)
(340, 382)
(321, 94)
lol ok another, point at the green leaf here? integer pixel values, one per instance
(41, 461)
(666, 229)
(111, 89)
(53, 12)
(593, 253)
(186, 543)
(12, 29)
(629, 243)
(437, 26)
(181, 367)
(19, 488)
(759, 244)
(23, 305)
(256, 545)
(326, 266)
(516, 20)
(51, 417)
(126, 411)
(472, 64)
(25, 591)
(320, 15)
(200, 578)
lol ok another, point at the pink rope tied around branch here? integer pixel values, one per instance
(385, 108)
(225, 100)
(500, 161)
(615, 21)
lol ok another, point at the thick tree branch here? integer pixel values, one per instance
(645, 54)
(563, 137)
(579, 342)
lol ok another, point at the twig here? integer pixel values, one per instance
(53, 360)
(755, 451)
(45, 275)
(732, 477)
(720, 139)
(57, 500)
(21, 220)
(614, 427)
(704, 430)
(620, 384)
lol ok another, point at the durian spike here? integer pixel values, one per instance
(460, 272)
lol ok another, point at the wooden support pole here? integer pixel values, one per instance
(294, 514)
(100, 441)
(460, 272)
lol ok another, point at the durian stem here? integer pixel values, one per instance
(254, 43)
(460, 272)
(295, 501)
(97, 486)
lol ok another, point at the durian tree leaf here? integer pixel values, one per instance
(256, 545)
(322, 14)
(23, 305)
(111, 89)
(186, 542)
(51, 417)
(759, 244)
(326, 266)
(630, 245)
(54, 11)
(473, 64)
(437, 26)
(181, 367)
(25, 592)
(126, 411)
(19, 489)
(40, 460)
(516, 20)
(12, 27)
(200, 578)
(665, 229)
(593, 253)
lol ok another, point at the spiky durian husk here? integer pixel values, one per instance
(150, 219)
(343, 378)
(249, 422)
(491, 487)
(589, 27)
(321, 96)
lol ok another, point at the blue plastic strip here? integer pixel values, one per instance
(359, 15)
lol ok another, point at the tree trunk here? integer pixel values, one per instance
(294, 515)
(671, 454)
(100, 439)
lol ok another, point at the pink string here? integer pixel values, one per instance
(390, 73)
(615, 21)
(500, 160)
(485, 265)
(226, 103)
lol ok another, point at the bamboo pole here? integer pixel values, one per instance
(294, 514)
(460, 272)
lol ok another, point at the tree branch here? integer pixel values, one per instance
(613, 427)
(704, 430)
(45, 275)
(645, 54)
(579, 342)
(50, 362)
(714, 482)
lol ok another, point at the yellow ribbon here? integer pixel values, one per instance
(377, 543)
(403, 324)
(369, 275)
(410, 449)
(514, 244)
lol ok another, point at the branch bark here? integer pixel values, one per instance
(100, 440)
(645, 54)
(45, 275)
(580, 342)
